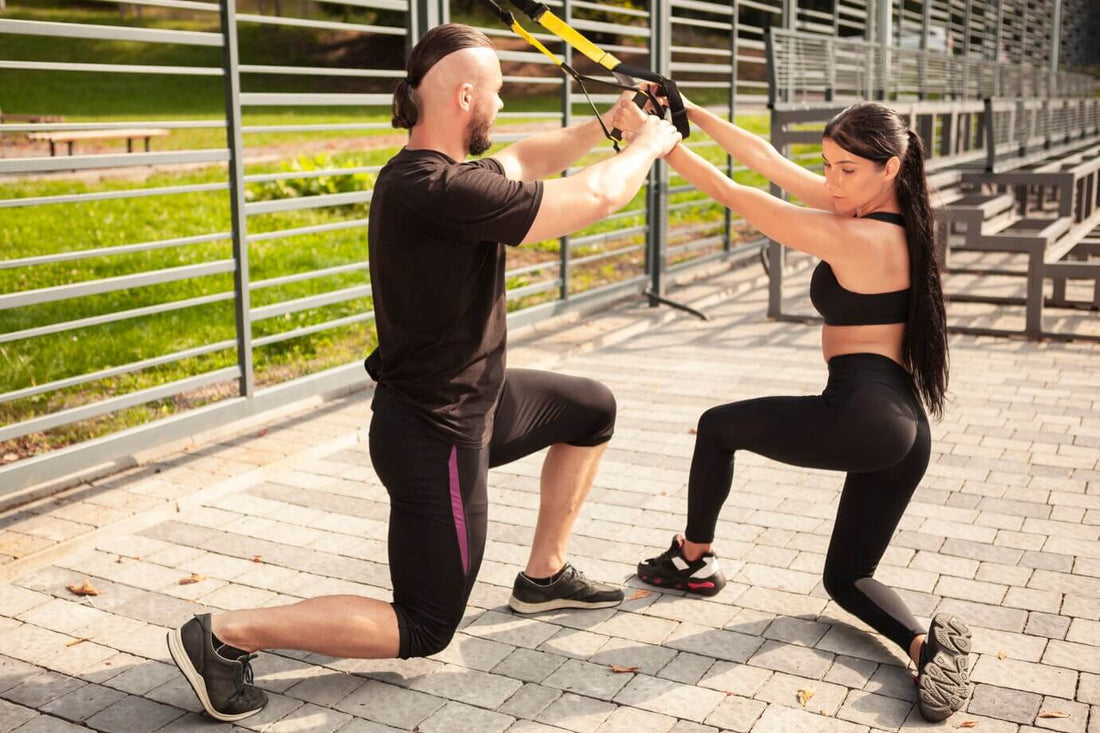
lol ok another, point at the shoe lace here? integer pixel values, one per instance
(244, 673)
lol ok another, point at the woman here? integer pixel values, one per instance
(878, 287)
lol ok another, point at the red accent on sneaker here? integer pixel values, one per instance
(697, 586)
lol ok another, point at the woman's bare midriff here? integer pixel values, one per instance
(885, 340)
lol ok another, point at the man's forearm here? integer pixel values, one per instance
(551, 152)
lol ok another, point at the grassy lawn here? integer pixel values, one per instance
(47, 229)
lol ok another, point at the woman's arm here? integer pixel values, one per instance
(819, 233)
(760, 156)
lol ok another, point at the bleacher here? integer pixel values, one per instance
(1017, 184)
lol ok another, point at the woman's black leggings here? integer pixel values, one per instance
(869, 423)
(438, 498)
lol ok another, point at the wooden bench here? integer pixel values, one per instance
(73, 136)
(1044, 157)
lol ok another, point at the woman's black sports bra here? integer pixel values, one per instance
(842, 307)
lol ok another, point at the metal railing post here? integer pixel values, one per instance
(728, 216)
(566, 120)
(239, 220)
(660, 56)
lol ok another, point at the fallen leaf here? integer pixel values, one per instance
(255, 558)
(107, 664)
(638, 594)
(822, 712)
(262, 433)
(1054, 714)
(195, 578)
(1002, 655)
(84, 589)
(968, 724)
(804, 696)
(620, 669)
(694, 431)
(74, 642)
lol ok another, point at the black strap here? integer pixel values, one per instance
(887, 216)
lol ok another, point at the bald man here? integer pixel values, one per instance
(446, 409)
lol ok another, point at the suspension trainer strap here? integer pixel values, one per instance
(624, 72)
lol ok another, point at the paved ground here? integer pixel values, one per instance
(1004, 530)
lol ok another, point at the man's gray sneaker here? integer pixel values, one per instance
(220, 675)
(568, 589)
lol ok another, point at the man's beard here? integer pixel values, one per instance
(477, 133)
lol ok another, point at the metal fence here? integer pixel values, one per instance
(225, 372)
(813, 68)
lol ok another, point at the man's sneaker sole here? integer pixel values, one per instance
(711, 586)
(945, 684)
(179, 656)
(556, 604)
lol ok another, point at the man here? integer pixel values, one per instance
(446, 409)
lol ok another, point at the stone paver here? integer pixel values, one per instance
(1004, 531)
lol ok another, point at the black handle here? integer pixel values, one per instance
(639, 99)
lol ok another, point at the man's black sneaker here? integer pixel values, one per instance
(943, 676)
(569, 589)
(672, 570)
(221, 676)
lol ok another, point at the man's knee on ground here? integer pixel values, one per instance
(425, 637)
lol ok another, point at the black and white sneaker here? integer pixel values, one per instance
(943, 677)
(568, 588)
(672, 570)
(221, 675)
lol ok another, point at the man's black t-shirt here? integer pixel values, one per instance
(436, 235)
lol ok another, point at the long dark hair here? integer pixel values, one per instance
(877, 133)
(435, 44)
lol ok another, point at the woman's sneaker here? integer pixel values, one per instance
(568, 588)
(221, 676)
(943, 676)
(672, 570)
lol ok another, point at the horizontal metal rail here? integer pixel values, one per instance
(121, 160)
(272, 282)
(116, 316)
(322, 71)
(331, 25)
(319, 99)
(130, 193)
(69, 126)
(110, 372)
(310, 330)
(533, 289)
(312, 229)
(114, 404)
(107, 32)
(313, 301)
(308, 202)
(112, 68)
(120, 249)
(114, 284)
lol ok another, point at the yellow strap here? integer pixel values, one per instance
(562, 30)
(522, 32)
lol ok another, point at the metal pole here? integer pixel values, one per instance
(660, 57)
(775, 256)
(239, 220)
(566, 120)
(885, 20)
(728, 244)
(1056, 37)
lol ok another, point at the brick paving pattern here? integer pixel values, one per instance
(1004, 530)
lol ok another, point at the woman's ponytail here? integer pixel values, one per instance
(925, 347)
